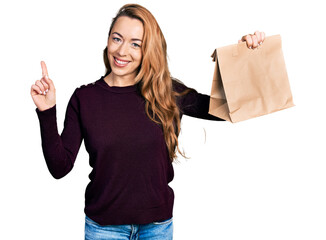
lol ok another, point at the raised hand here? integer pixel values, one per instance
(253, 40)
(43, 91)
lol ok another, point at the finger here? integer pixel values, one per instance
(46, 86)
(258, 35)
(49, 82)
(35, 90)
(44, 69)
(40, 85)
(254, 41)
(262, 36)
(248, 40)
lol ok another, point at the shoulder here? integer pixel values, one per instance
(185, 96)
(84, 92)
(179, 87)
(177, 84)
(86, 88)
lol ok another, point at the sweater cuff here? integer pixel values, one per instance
(48, 121)
(46, 113)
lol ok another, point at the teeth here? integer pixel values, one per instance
(121, 62)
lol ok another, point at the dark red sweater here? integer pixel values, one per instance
(127, 151)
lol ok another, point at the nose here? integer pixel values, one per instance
(123, 49)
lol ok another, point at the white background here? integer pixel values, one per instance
(259, 179)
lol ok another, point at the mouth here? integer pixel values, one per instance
(120, 62)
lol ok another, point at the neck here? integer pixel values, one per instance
(119, 81)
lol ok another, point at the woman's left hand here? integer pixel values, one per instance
(253, 40)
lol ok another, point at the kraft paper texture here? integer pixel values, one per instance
(248, 83)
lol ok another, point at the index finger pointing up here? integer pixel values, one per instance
(44, 69)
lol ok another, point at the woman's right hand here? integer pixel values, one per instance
(43, 91)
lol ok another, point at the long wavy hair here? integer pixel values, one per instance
(153, 78)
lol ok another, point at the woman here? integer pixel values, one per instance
(129, 120)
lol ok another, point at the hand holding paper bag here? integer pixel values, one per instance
(253, 40)
(248, 83)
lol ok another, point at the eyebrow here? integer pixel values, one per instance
(133, 39)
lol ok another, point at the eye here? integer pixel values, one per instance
(116, 39)
(135, 45)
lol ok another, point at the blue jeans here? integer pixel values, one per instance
(152, 231)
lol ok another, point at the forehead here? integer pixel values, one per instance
(129, 27)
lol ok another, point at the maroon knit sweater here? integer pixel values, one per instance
(127, 151)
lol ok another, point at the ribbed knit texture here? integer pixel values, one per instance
(127, 151)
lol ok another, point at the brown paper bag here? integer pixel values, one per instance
(248, 83)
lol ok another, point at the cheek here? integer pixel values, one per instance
(110, 54)
(138, 56)
(111, 48)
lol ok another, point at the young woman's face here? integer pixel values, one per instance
(124, 47)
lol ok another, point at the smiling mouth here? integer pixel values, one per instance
(120, 63)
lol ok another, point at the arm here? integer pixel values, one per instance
(60, 152)
(193, 104)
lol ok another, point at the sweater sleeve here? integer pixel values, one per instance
(193, 104)
(60, 151)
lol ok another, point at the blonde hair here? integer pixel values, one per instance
(153, 76)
